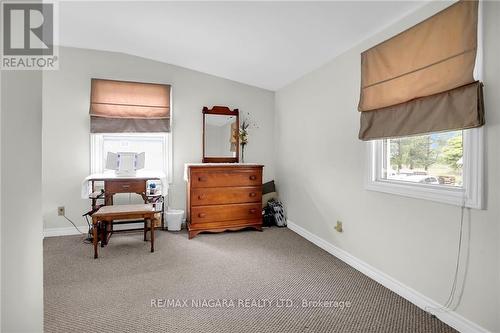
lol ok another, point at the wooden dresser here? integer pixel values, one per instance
(223, 197)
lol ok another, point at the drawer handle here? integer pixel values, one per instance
(202, 179)
(253, 177)
(126, 186)
(252, 211)
(201, 197)
(202, 215)
(253, 194)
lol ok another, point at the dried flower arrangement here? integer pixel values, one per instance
(245, 126)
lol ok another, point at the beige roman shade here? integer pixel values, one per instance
(421, 80)
(120, 106)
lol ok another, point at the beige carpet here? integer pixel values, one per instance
(114, 292)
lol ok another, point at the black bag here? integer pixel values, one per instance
(278, 212)
(267, 216)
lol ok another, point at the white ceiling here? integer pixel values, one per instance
(265, 44)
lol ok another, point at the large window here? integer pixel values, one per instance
(444, 167)
(156, 146)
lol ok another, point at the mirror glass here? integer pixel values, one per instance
(221, 135)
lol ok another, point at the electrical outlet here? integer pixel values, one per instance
(61, 211)
(338, 227)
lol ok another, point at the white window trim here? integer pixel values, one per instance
(96, 144)
(470, 195)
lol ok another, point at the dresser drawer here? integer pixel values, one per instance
(125, 186)
(226, 225)
(214, 213)
(225, 195)
(252, 177)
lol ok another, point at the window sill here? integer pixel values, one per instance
(447, 195)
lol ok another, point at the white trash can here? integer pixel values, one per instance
(174, 219)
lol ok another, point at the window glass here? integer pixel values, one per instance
(434, 159)
(153, 145)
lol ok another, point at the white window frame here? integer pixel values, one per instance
(96, 146)
(469, 195)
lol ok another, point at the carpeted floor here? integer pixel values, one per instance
(230, 282)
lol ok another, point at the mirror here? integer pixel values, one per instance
(220, 135)
(220, 140)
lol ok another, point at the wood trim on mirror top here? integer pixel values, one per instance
(223, 111)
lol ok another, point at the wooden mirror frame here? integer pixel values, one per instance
(223, 111)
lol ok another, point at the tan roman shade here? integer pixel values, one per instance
(418, 81)
(120, 106)
(427, 114)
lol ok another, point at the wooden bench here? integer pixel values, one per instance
(107, 214)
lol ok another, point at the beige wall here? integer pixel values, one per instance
(320, 170)
(320, 163)
(21, 215)
(66, 122)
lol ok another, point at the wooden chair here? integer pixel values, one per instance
(107, 214)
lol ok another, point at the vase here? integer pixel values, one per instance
(242, 153)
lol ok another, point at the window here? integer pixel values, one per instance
(444, 167)
(435, 159)
(157, 147)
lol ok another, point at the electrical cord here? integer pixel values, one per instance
(74, 225)
(88, 239)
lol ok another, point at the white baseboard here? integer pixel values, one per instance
(451, 318)
(68, 231)
(65, 231)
